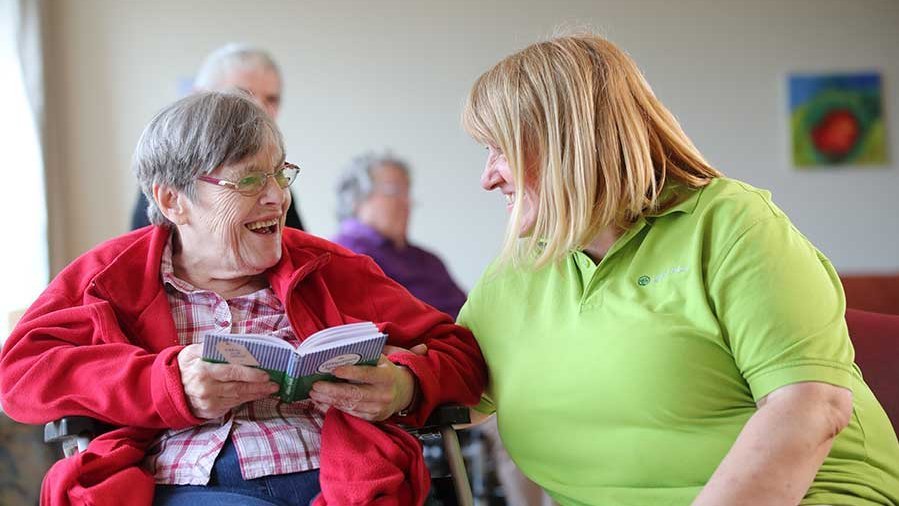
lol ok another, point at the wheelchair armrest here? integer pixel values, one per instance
(443, 417)
(70, 427)
(83, 426)
(448, 414)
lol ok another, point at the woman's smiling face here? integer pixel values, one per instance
(498, 175)
(231, 234)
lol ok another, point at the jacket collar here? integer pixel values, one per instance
(132, 286)
(131, 283)
(296, 264)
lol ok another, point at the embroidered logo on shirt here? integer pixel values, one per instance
(658, 278)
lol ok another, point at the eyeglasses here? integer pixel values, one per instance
(253, 182)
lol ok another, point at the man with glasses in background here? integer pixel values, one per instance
(246, 68)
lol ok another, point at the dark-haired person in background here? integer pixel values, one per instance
(236, 66)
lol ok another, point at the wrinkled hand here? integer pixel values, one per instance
(213, 389)
(373, 393)
(418, 349)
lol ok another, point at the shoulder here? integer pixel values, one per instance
(353, 243)
(295, 239)
(425, 255)
(718, 213)
(304, 245)
(737, 219)
(728, 202)
(131, 248)
(107, 252)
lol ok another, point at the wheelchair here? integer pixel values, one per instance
(74, 433)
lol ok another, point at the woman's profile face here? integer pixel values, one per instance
(498, 176)
(233, 234)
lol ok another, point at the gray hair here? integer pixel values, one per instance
(196, 135)
(356, 182)
(229, 57)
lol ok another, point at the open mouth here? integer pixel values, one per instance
(263, 226)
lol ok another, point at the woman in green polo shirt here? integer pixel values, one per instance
(657, 334)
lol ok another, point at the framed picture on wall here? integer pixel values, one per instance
(837, 119)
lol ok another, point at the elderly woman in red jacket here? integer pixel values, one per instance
(115, 337)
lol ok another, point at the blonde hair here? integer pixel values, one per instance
(575, 116)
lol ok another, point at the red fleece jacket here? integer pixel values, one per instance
(100, 342)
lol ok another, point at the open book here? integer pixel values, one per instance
(296, 369)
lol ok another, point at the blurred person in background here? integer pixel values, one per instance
(374, 208)
(241, 67)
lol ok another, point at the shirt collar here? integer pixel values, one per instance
(677, 197)
(167, 269)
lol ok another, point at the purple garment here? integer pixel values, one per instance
(420, 271)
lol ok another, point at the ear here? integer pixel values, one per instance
(172, 203)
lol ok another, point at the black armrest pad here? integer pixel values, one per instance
(448, 414)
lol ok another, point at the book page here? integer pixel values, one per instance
(323, 359)
(236, 353)
(267, 352)
(271, 340)
(334, 336)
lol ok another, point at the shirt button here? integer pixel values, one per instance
(221, 323)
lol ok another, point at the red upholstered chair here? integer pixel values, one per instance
(877, 293)
(875, 337)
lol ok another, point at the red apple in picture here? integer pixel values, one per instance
(836, 133)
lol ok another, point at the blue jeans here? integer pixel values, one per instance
(227, 487)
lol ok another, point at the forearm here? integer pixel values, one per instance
(452, 371)
(776, 456)
(115, 383)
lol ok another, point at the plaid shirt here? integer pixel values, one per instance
(271, 437)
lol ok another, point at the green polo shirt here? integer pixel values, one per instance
(626, 382)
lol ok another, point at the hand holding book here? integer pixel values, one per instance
(295, 370)
(370, 393)
(212, 390)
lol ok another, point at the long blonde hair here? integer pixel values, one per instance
(575, 115)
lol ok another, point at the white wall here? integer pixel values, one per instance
(393, 73)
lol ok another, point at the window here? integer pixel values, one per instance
(24, 266)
